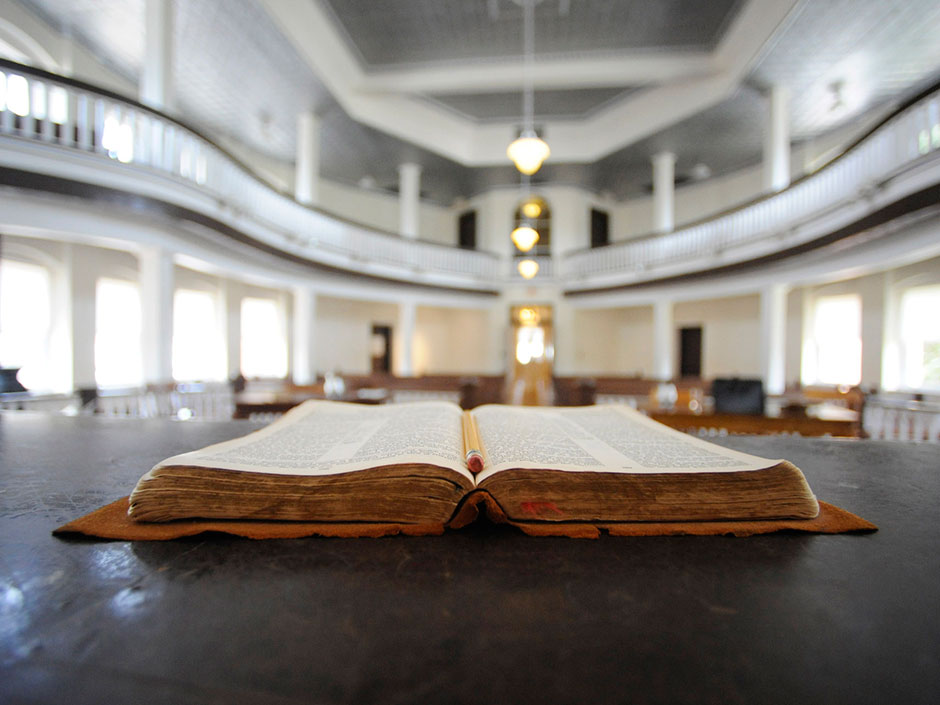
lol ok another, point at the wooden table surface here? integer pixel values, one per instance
(480, 615)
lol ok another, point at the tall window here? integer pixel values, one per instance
(920, 336)
(835, 353)
(264, 339)
(118, 357)
(198, 340)
(25, 315)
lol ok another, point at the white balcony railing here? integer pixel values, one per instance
(844, 190)
(38, 109)
(43, 118)
(902, 420)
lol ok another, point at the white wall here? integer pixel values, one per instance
(380, 210)
(70, 58)
(570, 210)
(452, 341)
(619, 341)
(344, 332)
(616, 341)
(730, 334)
(693, 201)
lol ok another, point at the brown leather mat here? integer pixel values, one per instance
(112, 522)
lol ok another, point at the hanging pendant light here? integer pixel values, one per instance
(524, 237)
(528, 151)
(528, 268)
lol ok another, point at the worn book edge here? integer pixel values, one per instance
(112, 522)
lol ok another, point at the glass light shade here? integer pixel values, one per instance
(531, 209)
(528, 152)
(525, 237)
(528, 268)
(528, 316)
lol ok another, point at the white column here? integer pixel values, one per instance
(303, 350)
(409, 194)
(664, 186)
(156, 77)
(874, 332)
(156, 299)
(233, 328)
(664, 341)
(82, 294)
(891, 360)
(307, 174)
(405, 338)
(777, 140)
(773, 338)
(807, 342)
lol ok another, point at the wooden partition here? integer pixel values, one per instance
(467, 390)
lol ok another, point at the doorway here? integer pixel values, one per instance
(381, 349)
(690, 351)
(532, 349)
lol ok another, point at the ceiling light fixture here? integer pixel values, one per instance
(528, 151)
(528, 268)
(524, 237)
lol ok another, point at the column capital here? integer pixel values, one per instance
(664, 158)
(778, 91)
(409, 168)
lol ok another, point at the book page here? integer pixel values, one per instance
(596, 439)
(326, 437)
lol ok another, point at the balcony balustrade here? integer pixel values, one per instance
(63, 128)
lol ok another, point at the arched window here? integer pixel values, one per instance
(535, 212)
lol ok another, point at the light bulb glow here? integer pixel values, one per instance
(524, 237)
(528, 152)
(528, 268)
(531, 209)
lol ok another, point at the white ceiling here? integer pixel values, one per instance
(438, 81)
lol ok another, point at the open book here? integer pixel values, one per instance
(408, 464)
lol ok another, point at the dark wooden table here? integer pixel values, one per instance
(481, 615)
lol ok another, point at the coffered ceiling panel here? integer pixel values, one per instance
(238, 77)
(555, 104)
(841, 57)
(401, 32)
